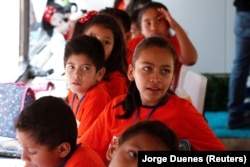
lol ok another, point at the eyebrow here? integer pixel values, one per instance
(165, 65)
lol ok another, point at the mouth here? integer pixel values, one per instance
(155, 89)
(76, 83)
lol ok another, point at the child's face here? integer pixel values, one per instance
(153, 73)
(135, 30)
(81, 74)
(36, 155)
(153, 23)
(105, 35)
(127, 153)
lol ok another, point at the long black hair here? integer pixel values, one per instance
(117, 59)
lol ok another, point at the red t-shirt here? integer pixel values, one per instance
(117, 85)
(86, 110)
(177, 113)
(84, 156)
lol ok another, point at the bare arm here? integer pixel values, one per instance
(188, 52)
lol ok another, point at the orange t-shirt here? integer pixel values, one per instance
(84, 156)
(177, 113)
(117, 85)
(86, 110)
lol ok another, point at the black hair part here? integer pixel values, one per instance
(150, 5)
(120, 15)
(49, 121)
(155, 129)
(89, 46)
(117, 60)
(136, 4)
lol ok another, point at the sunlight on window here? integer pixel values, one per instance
(9, 14)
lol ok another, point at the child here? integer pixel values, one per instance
(142, 136)
(47, 132)
(154, 19)
(149, 98)
(122, 19)
(84, 69)
(124, 22)
(107, 30)
(135, 28)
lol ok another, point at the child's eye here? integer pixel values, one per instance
(147, 23)
(147, 68)
(132, 154)
(85, 68)
(105, 42)
(70, 67)
(159, 19)
(165, 71)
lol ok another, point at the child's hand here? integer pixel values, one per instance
(168, 17)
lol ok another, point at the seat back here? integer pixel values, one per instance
(195, 85)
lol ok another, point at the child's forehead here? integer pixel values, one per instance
(80, 58)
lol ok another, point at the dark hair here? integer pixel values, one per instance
(155, 129)
(89, 46)
(151, 5)
(120, 15)
(47, 26)
(136, 4)
(117, 59)
(49, 121)
(132, 99)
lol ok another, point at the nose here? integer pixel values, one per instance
(155, 77)
(77, 74)
(25, 156)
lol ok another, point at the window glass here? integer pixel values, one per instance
(9, 16)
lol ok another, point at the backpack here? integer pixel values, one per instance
(14, 97)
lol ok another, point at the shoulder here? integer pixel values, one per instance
(116, 74)
(82, 155)
(133, 42)
(180, 103)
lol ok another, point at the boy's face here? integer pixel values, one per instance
(153, 73)
(153, 23)
(81, 74)
(36, 155)
(127, 153)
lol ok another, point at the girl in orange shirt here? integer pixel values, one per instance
(149, 98)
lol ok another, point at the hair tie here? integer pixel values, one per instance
(49, 11)
(88, 16)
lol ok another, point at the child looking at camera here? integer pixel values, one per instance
(84, 69)
(107, 30)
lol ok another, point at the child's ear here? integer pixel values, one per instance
(111, 150)
(100, 74)
(64, 149)
(130, 72)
